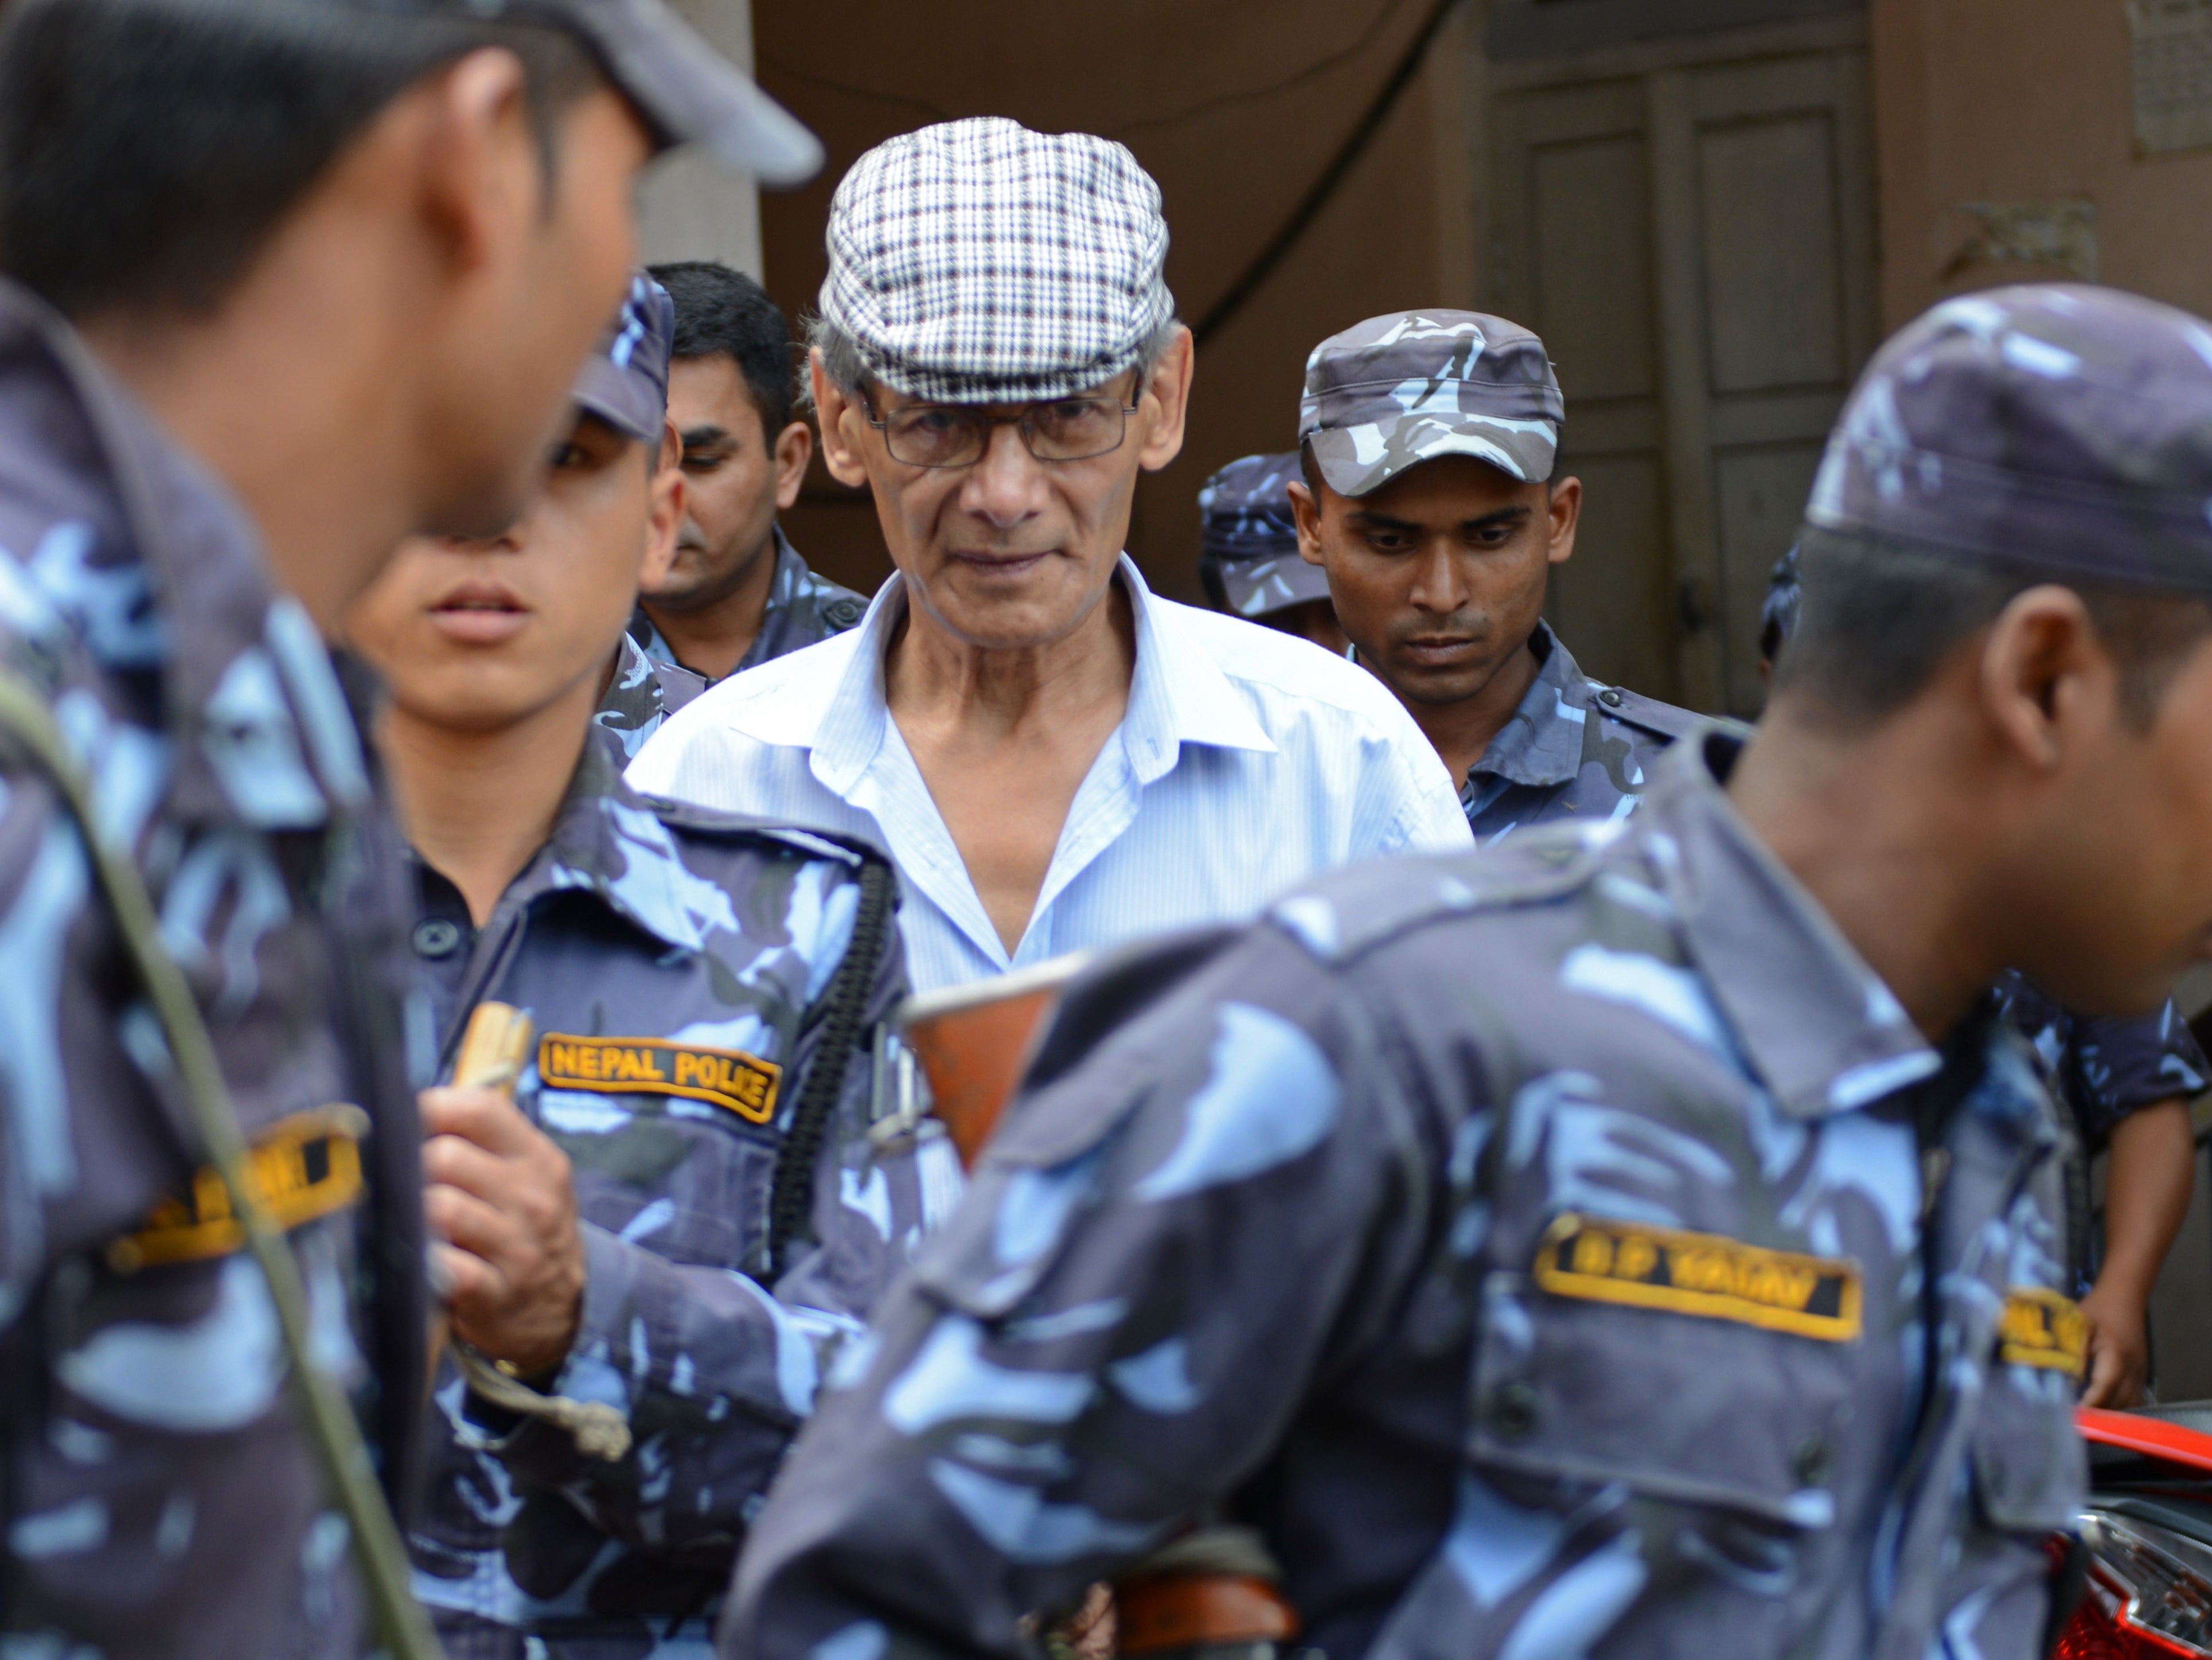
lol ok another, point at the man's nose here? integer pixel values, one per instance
(1439, 584)
(1008, 484)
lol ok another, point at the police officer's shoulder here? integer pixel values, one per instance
(692, 822)
(1349, 913)
(1661, 720)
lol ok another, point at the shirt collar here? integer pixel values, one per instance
(1178, 693)
(1817, 1025)
(1542, 743)
(609, 842)
(262, 731)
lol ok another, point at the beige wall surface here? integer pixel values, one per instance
(1235, 107)
(2025, 105)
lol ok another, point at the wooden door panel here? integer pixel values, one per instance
(1773, 292)
(1760, 497)
(1606, 601)
(1592, 268)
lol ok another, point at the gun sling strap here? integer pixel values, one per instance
(29, 726)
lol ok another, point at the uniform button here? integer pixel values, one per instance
(436, 937)
(1513, 1412)
(1609, 698)
(1814, 1462)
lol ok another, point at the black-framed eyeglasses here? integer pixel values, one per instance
(959, 435)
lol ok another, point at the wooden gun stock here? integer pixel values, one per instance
(975, 1042)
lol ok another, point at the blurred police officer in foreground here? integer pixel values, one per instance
(2123, 1083)
(1250, 565)
(1429, 441)
(738, 594)
(1635, 1239)
(286, 281)
(616, 1229)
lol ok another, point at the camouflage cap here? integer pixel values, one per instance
(2060, 427)
(687, 90)
(977, 262)
(1251, 537)
(1397, 390)
(625, 381)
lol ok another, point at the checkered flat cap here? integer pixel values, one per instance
(977, 262)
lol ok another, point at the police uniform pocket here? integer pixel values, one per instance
(1694, 1368)
(2029, 1467)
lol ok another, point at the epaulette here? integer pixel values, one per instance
(694, 819)
(1348, 913)
(1662, 720)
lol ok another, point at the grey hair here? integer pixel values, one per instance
(848, 371)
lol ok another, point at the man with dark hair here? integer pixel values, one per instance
(2123, 1080)
(1248, 564)
(738, 594)
(641, 1225)
(286, 280)
(1429, 441)
(1639, 1238)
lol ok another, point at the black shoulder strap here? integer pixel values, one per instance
(845, 1006)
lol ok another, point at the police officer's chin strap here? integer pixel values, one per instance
(29, 727)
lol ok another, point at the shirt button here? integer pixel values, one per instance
(1609, 698)
(1513, 1412)
(436, 937)
(1814, 1463)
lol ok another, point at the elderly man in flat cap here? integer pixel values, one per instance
(1056, 758)
(1637, 1239)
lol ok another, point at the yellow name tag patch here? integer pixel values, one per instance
(1705, 1274)
(2045, 1329)
(729, 1078)
(308, 1167)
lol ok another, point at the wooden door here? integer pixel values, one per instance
(1689, 224)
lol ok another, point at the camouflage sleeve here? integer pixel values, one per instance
(2123, 1065)
(712, 1371)
(1160, 1250)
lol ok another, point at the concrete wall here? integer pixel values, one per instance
(1234, 106)
(691, 207)
(2026, 104)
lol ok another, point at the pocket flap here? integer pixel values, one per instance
(1684, 1404)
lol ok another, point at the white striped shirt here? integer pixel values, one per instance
(1246, 761)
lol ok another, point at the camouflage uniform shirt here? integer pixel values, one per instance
(675, 961)
(802, 608)
(1563, 1249)
(163, 1499)
(641, 693)
(1575, 748)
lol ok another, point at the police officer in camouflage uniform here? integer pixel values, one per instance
(737, 595)
(203, 457)
(1429, 441)
(1250, 565)
(2125, 1082)
(682, 1199)
(1635, 1239)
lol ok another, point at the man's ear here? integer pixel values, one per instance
(482, 179)
(1565, 508)
(2046, 681)
(665, 511)
(794, 448)
(1307, 511)
(1168, 395)
(843, 419)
